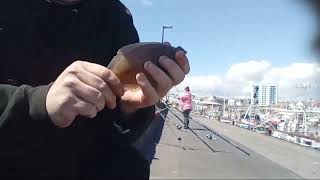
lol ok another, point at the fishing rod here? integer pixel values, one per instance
(217, 134)
(193, 131)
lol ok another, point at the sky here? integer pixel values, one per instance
(234, 44)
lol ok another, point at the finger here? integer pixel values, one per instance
(106, 74)
(90, 94)
(164, 82)
(84, 108)
(150, 96)
(99, 84)
(174, 70)
(85, 92)
(183, 61)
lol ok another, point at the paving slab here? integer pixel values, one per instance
(195, 156)
(303, 161)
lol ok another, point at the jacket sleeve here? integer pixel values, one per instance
(23, 111)
(130, 125)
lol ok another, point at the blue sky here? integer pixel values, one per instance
(219, 34)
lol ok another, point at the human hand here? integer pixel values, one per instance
(84, 89)
(145, 95)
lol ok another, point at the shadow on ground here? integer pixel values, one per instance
(147, 143)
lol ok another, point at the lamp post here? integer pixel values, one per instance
(163, 28)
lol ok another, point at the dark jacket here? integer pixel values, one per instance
(38, 40)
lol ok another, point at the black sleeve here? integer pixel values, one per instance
(134, 124)
(23, 111)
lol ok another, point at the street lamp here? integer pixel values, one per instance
(165, 27)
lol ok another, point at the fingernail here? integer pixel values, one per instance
(147, 65)
(181, 54)
(113, 105)
(121, 91)
(162, 59)
(139, 77)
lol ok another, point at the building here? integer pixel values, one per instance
(239, 102)
(267, 94)
(235, 102)
(231, 102)
(283, 105)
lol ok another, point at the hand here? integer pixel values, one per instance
(83, 89)
(145, 95)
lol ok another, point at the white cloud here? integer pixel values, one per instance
(251, 70)
(240, 77)
(201, 84)
(147, 2)
(292, 77)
